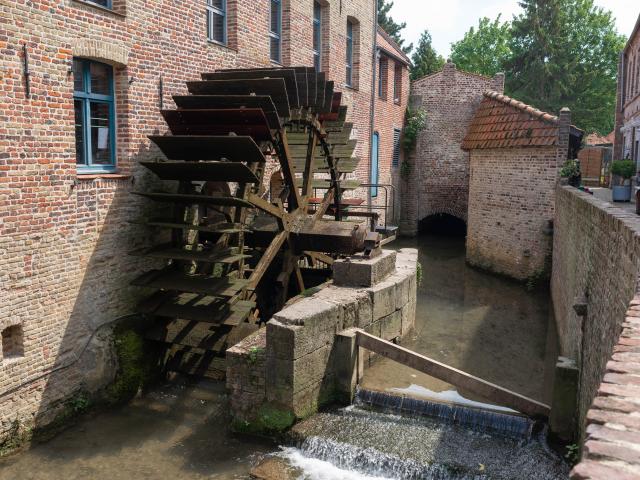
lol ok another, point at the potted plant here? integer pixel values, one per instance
(570, 173)
(622, 171)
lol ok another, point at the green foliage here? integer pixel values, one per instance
(564, 53)
(415, 122)
(390, 26)
(419, 273)
(570, 169)
(15, 438)
(270, 420)
(623, 168)
(425, 59)
(572, 453)
(484, 50)
(254, 352)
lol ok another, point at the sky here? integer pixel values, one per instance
(448, 20)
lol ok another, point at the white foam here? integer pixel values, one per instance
(314, 469)
(451, 396)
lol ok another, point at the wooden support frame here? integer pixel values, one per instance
(455, 377)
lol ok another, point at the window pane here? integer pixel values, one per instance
(316, 62)
(316, 37)
(216, 3)
(275, 49)
(317, 11)
(216, 27)
(348, 79)
(100, 133)
(275, 16)
(100, 78)
(79, 123)
(78, 84)
(103, 3)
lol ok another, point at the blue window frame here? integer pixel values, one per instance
(94, 108)
(217, 21)
(349, 76)
(275, 31)
(317, 36)
(102, 3)
(395, 161)
(375, 146)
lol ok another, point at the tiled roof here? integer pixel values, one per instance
(502, 122)
(597, 139)
(398, 50)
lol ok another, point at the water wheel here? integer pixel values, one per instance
(234, 251)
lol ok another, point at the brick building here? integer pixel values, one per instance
(392, 95)
(439, 178)
(81, 86)
(627, 132)
(515, 152)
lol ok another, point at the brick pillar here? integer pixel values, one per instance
(498, 82)
(564, 129)
(409, 185)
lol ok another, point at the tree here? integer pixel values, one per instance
(425, 59)
(485, 50)
(390, 26)
(565, 53)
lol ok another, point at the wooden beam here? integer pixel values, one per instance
(457, 378)
(266, 259)
(309, 167)
(322, 257)
(264, 205)
(288, 171)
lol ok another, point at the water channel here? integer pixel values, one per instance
(485, 325)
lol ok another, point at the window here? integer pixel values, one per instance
(275, 31)
(349, 76)
(317, 36)
(375, 146)
(383, 65)
(395, 161)
(217, 21)
(397, 83)
(12, 346)
(102, 3)
(94, 115)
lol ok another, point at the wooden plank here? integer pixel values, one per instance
(208, 171)
(266, 259)
(326, 183)
(288, 172)
(262, 102)
(182, 282)
(221, 228)
(455, 377)
(209, 147)
(330, 236)
(193, 361)
(286, 74)
(272, 87)
(309, 168)
(169, 252)
(250, 122)
(264, 205)
(346, 202)
(195, 199)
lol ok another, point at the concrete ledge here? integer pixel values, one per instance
(364, 272)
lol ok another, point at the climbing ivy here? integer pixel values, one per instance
(415, 122)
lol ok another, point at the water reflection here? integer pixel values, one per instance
(483, 324)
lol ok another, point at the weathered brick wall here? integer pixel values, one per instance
(628, 100)
(65, 236)
(389, 115)
(511, 201)
(596, 259)
(438, 181)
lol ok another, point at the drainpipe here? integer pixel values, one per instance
(373, 96)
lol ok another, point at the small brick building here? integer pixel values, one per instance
(438, 177)
(73, 131)
(627, 131)
(515, 153)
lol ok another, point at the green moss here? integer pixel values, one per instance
(419, 273)
(270, 420)
(14, 439)
(138, 364)
(254, 352)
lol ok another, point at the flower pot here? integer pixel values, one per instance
(621, 193)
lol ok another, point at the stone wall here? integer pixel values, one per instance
(292, 366)
(438, 181)
(511, 194)
(65, 235)
(596, 261)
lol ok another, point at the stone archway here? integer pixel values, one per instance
(443, 223)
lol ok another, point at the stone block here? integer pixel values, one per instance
(349, 365)
(391, 326)
(383, 299)
(408, 314)
(364, 272)
(564, 404)
(355, 305)
(289, 342)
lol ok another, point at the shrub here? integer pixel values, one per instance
(623, 168)
(570, 169)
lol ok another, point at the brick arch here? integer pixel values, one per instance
(448, 210)
(108, 52)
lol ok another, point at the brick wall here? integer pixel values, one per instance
(439, 178)
(627, 138)
(389, 115)
(596, 259)
(511, 198)
(65, 236)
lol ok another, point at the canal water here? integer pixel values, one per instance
(482, 324)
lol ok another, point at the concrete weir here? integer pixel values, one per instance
(300, 362)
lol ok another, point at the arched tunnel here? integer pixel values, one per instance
(443, 224)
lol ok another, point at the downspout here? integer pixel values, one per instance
(373, 96)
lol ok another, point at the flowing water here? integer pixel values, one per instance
(482, 324)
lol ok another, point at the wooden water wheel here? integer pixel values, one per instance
(235, 253)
